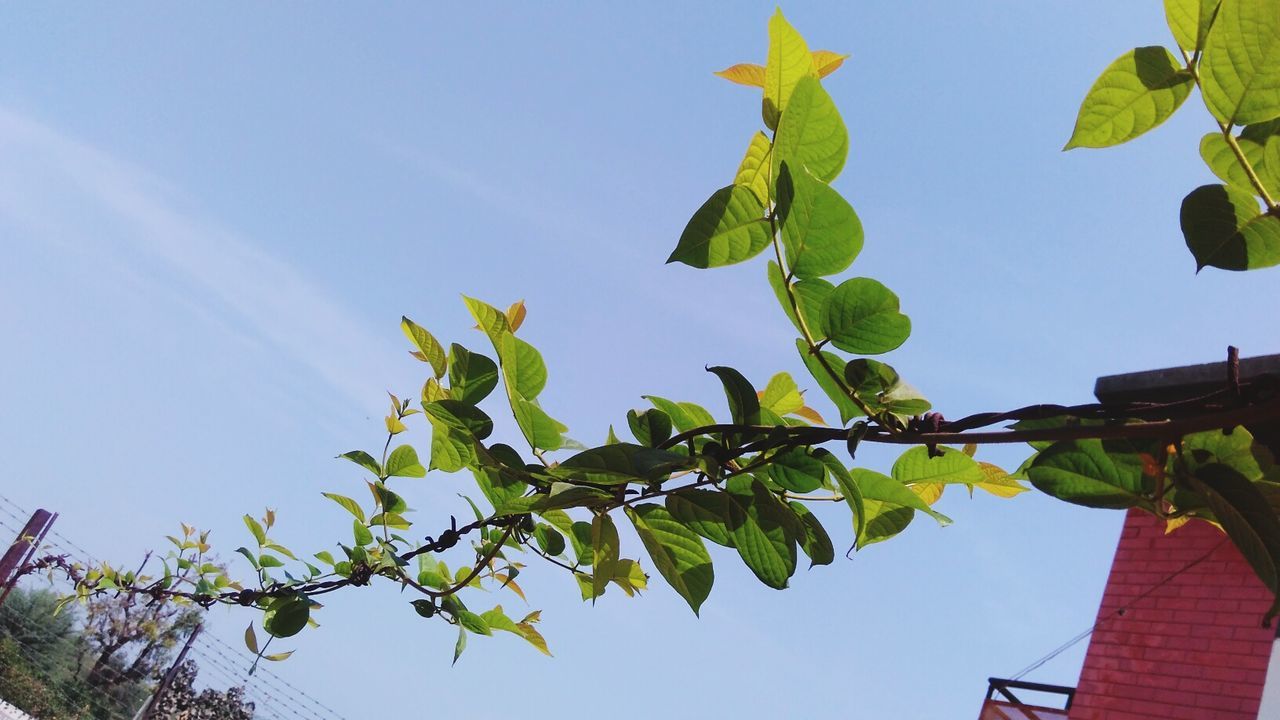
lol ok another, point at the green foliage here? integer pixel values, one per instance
(1230, 50)
(749, 483)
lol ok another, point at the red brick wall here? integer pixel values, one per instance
(1194, 648)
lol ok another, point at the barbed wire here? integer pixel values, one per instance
(57, 541)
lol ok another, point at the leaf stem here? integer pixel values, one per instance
(1225, 129)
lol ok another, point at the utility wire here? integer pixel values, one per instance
(261, 676)
(1115, 613)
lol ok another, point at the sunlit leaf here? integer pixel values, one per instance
(861, 316)
(788, 62)
(1240, 69)
(677, 552)
(403, 462)
(747, 74)
(753, 171)
(811, 134)
(820, 231)
(1137, 92)
(729, 228)
(1224, 228)
(1190, 20)
(426, 344)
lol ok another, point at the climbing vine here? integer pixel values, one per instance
(687, 479)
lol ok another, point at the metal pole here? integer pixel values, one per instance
(173, 670)
(22, 548)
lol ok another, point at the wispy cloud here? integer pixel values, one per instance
(57, 188)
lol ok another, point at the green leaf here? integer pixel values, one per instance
(884, 521)
(499, 485)
(461, 645)
(1240, 68)
(251, 640)
(490, 319)
(325, 557)
(473, 622)
(533, 637)
(788, 62)
(650, 427)
(451, 449)
(798, 471)
(815, 542)
(256, 528)
(861, 316)
(562, 495)
(472, 376)
(403, 462)
(881, 388)
(286, 616)
(729, 228)
(782, 395)
(952, 466)
(1091, 473)
(811, 295)
(621, 463)
(1190, 20)
(522, 366)
(875, 486)
(431, 391)
(429, 349)
(551, 542)
(464, 421)
(1224, 229)
(604, 551)
(496, 619)
(361, 533)
(1137, 92)
(811, 134)
(249, 556)
(705, 512)
(1237, 450)
(364, 460)
(744, 404)
(848, 489)
(395, 521)
(753, 172)
(762, 530)
(1248, 519)
(538, 427)
(1221, 159)
(386, 499)
(628, 576)
(679, 418)
(848, 410)
(820, 231)
(677, 552)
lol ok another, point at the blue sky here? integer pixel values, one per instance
(213, 217)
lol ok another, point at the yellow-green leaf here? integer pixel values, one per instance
(1190, 20)
(753, 172)
(431, 350)
(1137, 92)
(998, 482)
(1240, 69)
(788, 61)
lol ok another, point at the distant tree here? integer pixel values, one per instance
(181, 701)
(39, 656)
(129, 640)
